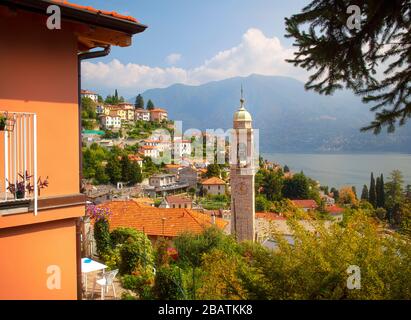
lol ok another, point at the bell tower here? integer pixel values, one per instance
(242, 174)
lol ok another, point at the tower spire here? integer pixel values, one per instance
(242, 98)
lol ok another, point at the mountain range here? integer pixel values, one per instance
(289, 118)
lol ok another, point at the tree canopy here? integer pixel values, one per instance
(340, 55)
(139, 104)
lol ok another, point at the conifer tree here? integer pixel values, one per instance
(354, 190)
(125, 169)
(373, 192)
(364, 193)
(150, 105)
(139, 104)
(344, 49)
(377, 192)
(113, 169)
(135, 174)
(381, 193)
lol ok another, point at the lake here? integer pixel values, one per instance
(337, 170)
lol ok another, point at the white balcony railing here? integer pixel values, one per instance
(19, 172)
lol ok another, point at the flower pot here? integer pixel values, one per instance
(19, 194)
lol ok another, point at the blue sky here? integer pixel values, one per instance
(183, 35)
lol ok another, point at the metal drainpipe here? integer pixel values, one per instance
(81, 57)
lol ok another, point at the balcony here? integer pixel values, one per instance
(18, 163)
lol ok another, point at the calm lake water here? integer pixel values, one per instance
(337, 170)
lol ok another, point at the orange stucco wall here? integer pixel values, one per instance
(26, 254)
(39, 74)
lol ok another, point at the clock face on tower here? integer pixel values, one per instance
(242, 188)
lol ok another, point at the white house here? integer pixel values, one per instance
(110, 122)
(100, 109)
(89, 94)
(149, 151)
(142, 114)
(161, 145)
(162, 180)
(182, 147)
(214, 186)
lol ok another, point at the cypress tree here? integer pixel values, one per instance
(150, 105)
(354, 190)
(377, 192)
(135, 174)
(364, 194)
(381, 192)
(125, 168)
(139, 104)
(113, 169)
(373, 192)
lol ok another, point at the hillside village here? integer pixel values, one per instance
(105, 198)
(119, 149)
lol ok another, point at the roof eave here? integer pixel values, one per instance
(79, 15)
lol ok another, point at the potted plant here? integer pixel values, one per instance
(3, 121)
(24, 185)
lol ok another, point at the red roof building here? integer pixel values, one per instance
(305, 204)
(158, 222)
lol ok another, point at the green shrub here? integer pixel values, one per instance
(130, 281)
(102, 237)
(140, 284)
(168, 284)
(136, 254)
(112, 259)
(127, 296)
(191, 247)
(122, 235)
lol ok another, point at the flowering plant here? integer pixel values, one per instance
(24, 184)
(97, 213)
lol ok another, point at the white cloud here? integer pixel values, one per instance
(173, 58)
(255, 54)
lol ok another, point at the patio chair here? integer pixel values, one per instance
(105, 281)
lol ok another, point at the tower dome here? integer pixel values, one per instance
(242, 114)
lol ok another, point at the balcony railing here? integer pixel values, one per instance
(18, 175)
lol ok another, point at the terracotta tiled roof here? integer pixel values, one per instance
(172, 166)
(147, 202)
(269, 216)
(103, 12)
(213, 180)
(148, 147)
(87, 92)
(151, 219)
(158, 110)
(133, 157)
(178, 199)
(305, 204)
(334, 209)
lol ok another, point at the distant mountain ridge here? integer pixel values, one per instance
(289, 118)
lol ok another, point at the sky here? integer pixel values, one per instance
(194, 42)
